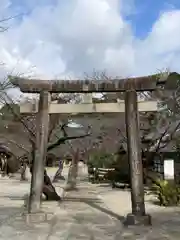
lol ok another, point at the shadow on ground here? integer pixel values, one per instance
(95, 203)
(92, 202)
(14, 197)
(165, 221)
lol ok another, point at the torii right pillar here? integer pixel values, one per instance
(138, 215)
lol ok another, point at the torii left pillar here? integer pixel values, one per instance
(42, 127)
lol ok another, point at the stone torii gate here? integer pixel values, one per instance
(131, 106)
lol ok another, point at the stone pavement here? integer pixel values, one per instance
(83, 215)
(92, 212)
(77, 217)
(165, 220)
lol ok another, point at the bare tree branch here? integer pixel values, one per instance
(64, 139)
(5, 20)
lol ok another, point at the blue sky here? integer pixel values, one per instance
(142, 17)
(147, 12)
(70, 37)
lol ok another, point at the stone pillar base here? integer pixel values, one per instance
(38, 217)
(132, 219)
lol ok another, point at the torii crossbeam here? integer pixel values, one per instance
(119, 107)
(141, 84)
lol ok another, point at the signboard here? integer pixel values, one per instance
(169, 169)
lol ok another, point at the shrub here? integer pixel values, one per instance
(167, 193)
(101, 160)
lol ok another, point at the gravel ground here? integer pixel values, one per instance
(92, 212)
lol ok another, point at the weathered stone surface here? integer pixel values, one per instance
(132, 219)
(38, 217)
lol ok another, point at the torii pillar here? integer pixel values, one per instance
(42, 127)
(138, 215)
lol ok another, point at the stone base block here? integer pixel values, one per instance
(38, 217)
(132, 219)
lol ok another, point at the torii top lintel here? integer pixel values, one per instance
(146, 83)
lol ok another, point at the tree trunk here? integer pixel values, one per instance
(49, 190)
(4, 165)
(73, 172)
(58, 174)
(23, 172)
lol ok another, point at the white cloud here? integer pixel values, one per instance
(165, 33)
(161, 48)
(73, 37)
